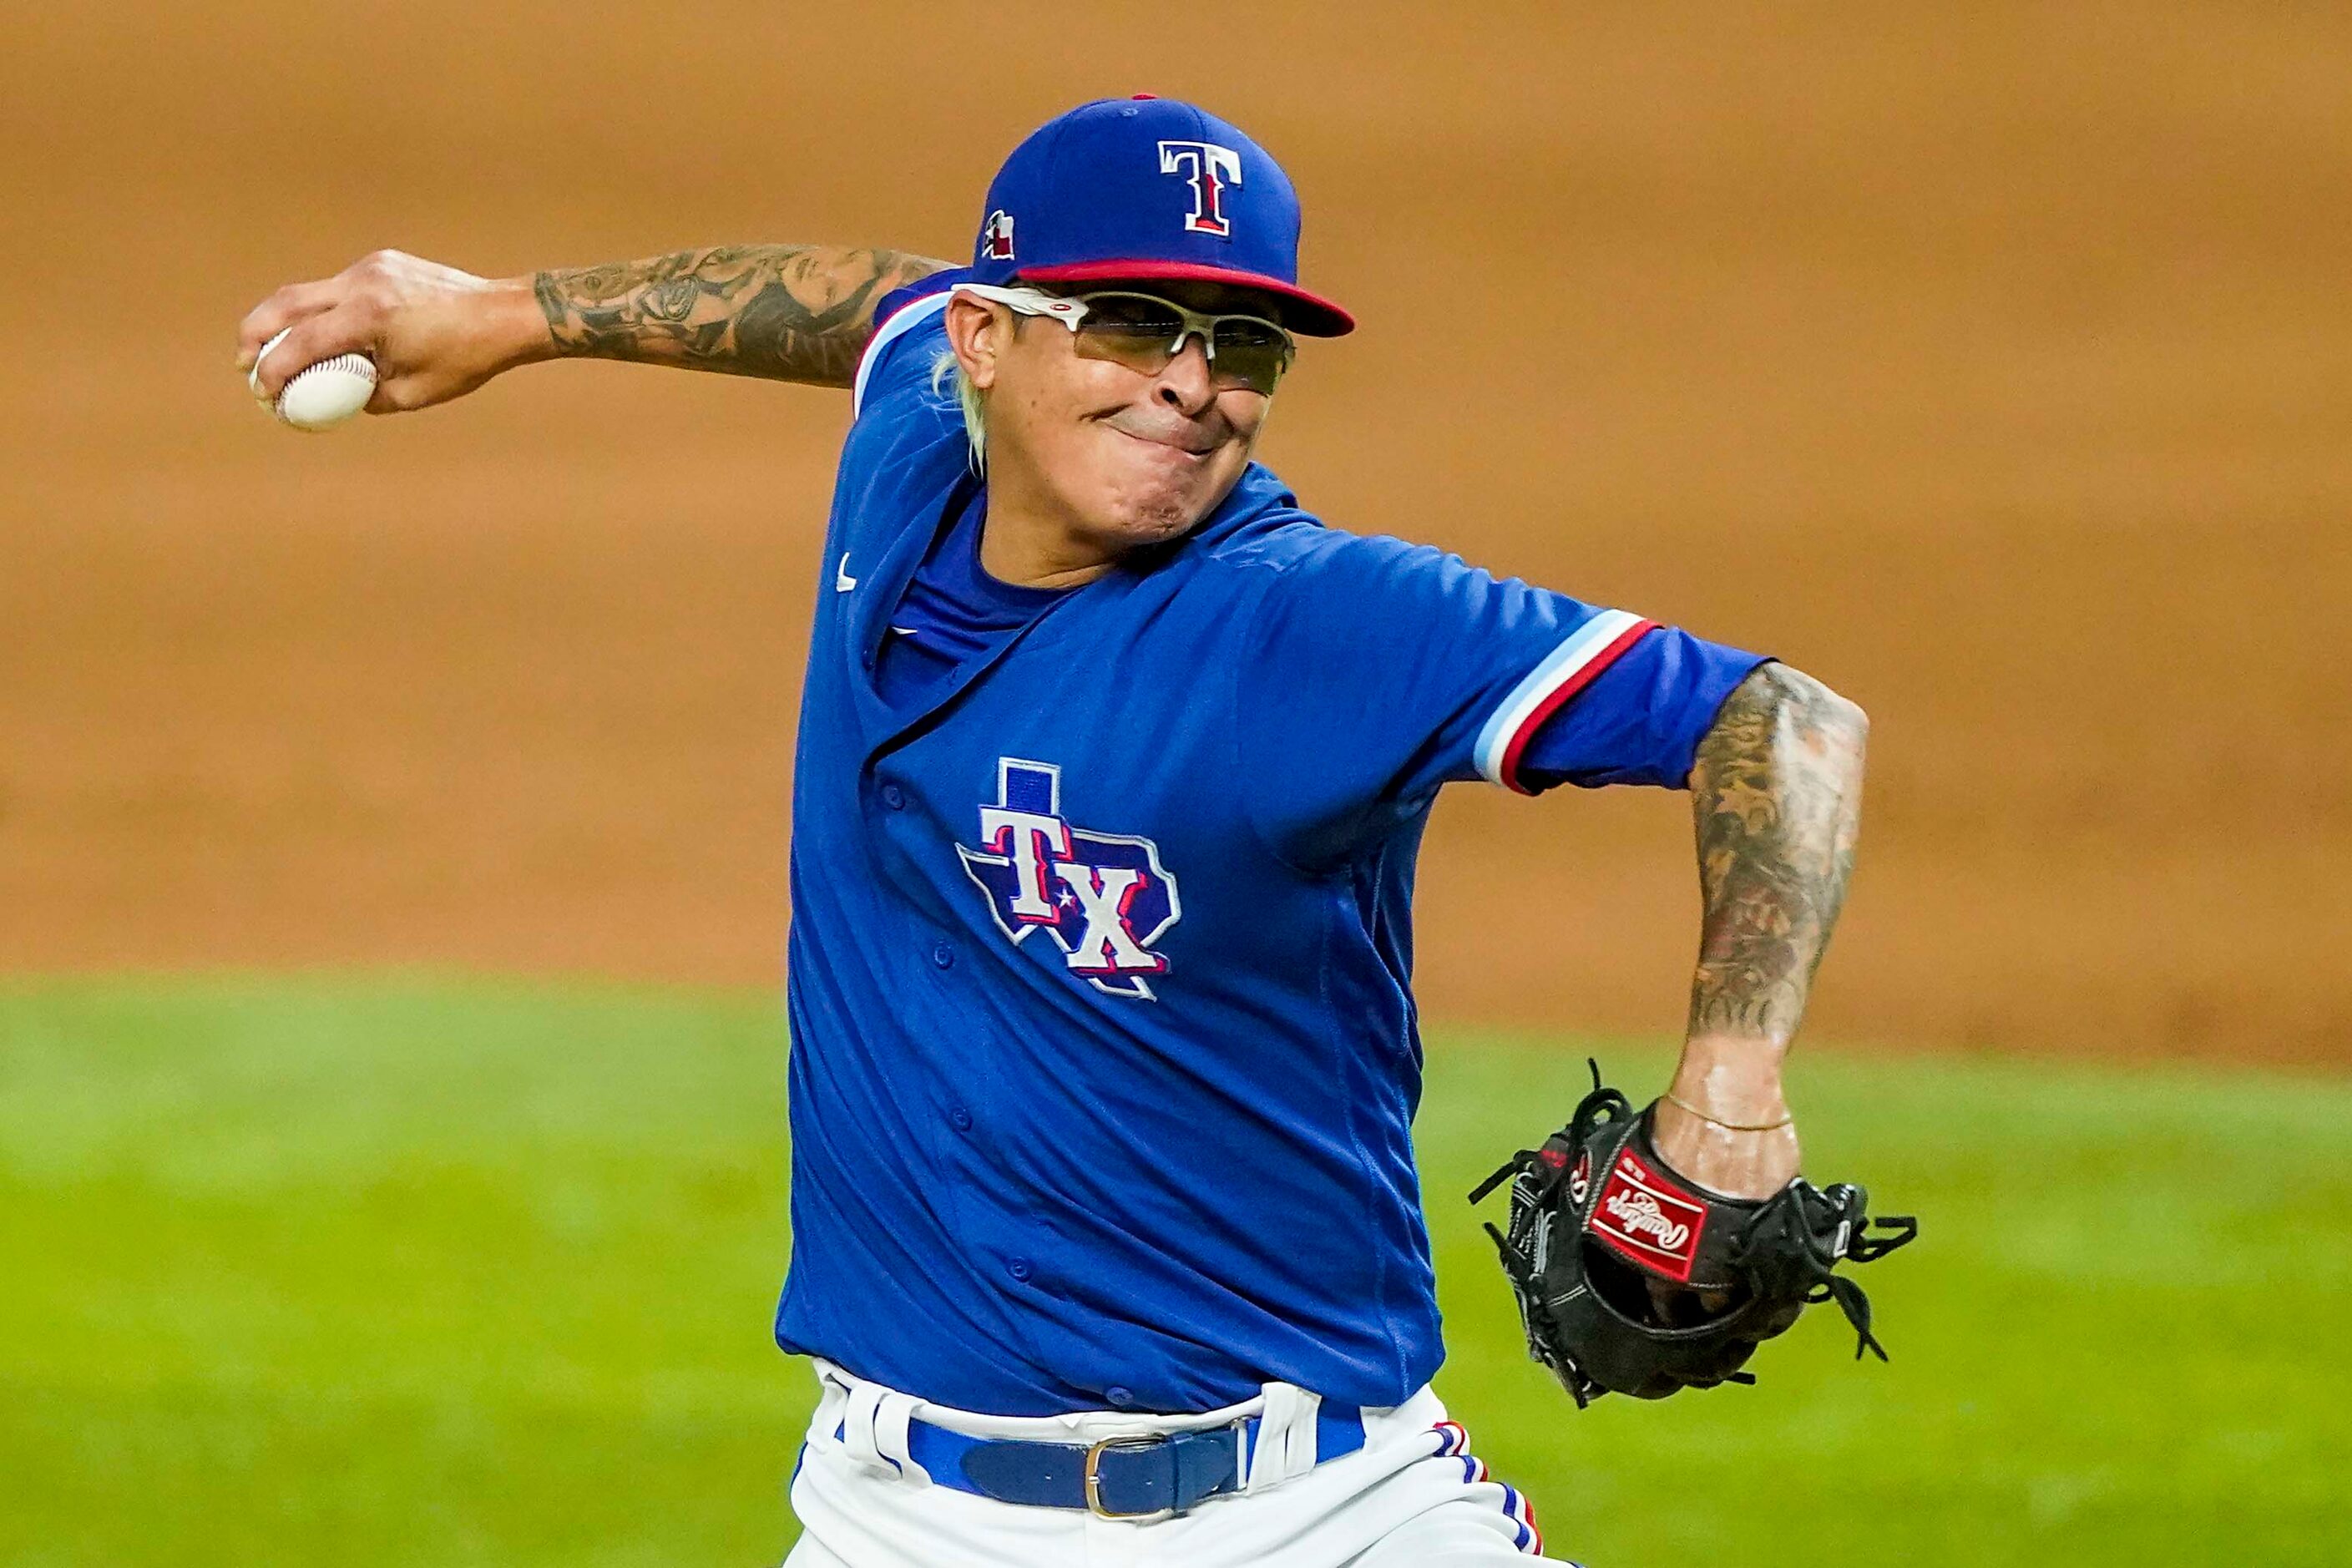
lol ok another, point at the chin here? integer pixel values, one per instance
(1135, 523)
(1155, 512)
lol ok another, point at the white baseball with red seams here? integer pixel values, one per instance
(322, 395)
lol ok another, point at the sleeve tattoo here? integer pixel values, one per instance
(1777, 793)
(785, 312)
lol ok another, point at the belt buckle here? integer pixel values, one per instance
(1094, 1480)
(1239, 1428)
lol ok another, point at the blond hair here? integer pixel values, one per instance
(971, 400)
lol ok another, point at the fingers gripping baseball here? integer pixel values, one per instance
(342, 314)
(434, 331)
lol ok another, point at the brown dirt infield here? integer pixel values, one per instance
(1990, 366)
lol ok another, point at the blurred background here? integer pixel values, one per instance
(392, 823)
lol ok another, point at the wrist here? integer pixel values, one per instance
(515, 323)
(1735, 1079)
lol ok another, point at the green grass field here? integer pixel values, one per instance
(422, 1272)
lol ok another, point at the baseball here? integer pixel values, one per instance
(319, 396)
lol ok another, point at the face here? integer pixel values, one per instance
(1119, 458)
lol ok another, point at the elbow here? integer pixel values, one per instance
(1844, 714)
(1803, 708)
(1835, 726)
(1782, 721)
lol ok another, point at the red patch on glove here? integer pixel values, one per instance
(1647, 1219)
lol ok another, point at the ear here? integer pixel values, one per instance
(977, 332)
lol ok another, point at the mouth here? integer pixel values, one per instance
(1194, 450)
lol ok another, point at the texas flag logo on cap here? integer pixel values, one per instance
(1144, 189)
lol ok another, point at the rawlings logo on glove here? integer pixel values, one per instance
(1649, 1220)
(1647, 1284)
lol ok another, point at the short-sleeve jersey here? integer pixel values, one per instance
(1104, 1051)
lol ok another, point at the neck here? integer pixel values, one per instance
(1030, 543)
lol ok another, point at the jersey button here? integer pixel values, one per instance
(1019, 1270)
(893, 797)
(1121, 1398)
(943, 955)
(959, 1119)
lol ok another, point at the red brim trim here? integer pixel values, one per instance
(1308, 313)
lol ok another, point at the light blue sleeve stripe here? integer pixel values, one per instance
(897, 326)
(1572, 655)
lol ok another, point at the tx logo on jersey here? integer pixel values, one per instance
(1103, 899)
(1208, 169)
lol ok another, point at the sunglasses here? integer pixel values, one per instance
(1145, 333)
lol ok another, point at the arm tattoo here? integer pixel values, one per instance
(1778, 797)
(786, 313)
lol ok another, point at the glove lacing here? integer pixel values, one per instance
(1806, 1230)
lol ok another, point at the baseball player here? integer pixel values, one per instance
(1112, 767)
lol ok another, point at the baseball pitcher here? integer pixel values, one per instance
(1113, 765)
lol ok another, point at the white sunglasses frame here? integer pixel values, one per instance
(1070, 312)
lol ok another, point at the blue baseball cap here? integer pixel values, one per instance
(1143, 188)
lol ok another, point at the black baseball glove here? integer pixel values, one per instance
(1631, 1279)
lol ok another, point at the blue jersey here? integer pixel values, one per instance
(952, 612)
(1104, 1053)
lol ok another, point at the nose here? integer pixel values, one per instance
(1184, 385)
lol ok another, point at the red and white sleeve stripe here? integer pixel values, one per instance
(1571, 667)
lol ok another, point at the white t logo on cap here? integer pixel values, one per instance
(1208, 169)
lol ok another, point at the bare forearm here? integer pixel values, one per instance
(784, 313)
(789, 313)
(1777, 798)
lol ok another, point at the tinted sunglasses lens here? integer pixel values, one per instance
(1136, 313)
(1130, 330)
(1250, 354)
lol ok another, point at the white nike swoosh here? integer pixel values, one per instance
(904, 631)
(842, 581)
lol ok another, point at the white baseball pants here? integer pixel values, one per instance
(1413, 1496)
